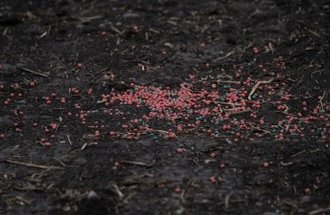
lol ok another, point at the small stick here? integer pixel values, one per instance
(61, 162)
(257, 85)
(260, 129)
(227, 198)
(129, 197)
(314, 33)
(119, 193)
(33, 72)
(88, 144)
(321, 101)
(281, 126)
(290, 204)
(19, 198)
(229, 103)
(116, 30)
(154, 31)
(89, 18)
(226, 56)
(318, 211)
(68, 137)
(286, 164)
(299, 153)
(33, 165)
(183, 200)
(159, 131)
(137, 163)
(229, 82)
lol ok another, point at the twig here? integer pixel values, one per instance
(68, 137)
(119, 193)
(183, 200)
(89, 18)
(154, 30)
(33, 72)
(260, 129)
(19, 198)
(88, 144)
(34, 165)
(229, 82)
(159, 131)
(313, 33)
(172, 22)
(292, 204)
(321, 101)
(229, 103)
(226, 56)
(257, 85)
(137, 163)
(319, 210)
(62, 163)
(129, 197)
(286, 164)
(227, 198)
(299, 153)
(5, 31)
(116, 30)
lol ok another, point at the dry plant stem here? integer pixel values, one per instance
(33, 72)
(299, 153)
(116, 30)
(286, 164)
(229, 82)
(183, 200)
(227, 199)
(89, 18)
(88, 144)
(255, 87)
(319, 211)
(137, 163)
(321, 101)
(69, 139)
(129, 197)
(118, 191)
(260, 129)
(226, 56)
(19, 198)
(34, 165)
(160, 131)
(229, 103)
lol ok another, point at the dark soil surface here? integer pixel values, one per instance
(164, 107)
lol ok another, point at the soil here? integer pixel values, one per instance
(164, 107)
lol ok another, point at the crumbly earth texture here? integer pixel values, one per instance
(164, 107)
